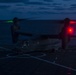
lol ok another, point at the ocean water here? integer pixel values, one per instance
(37, 28)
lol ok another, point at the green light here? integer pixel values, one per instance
(9, 21)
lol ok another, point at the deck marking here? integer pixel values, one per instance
(5, 48)
(40, 60)
(52, 63)
(42, 55)
(7, 56)
(16, 56)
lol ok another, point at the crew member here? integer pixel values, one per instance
(64, 33)
(14, 28)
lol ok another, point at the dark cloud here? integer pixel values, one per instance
(20, 4)
(72, 8)
(49, 0)
(68, 13)
(36, 3)
(42, 12)
(43, 8)
(4, 6)
(67, 0)
(73, 5)
(59, 8)
(11, 1)
(56, 4)
(16, 12)
(48, 12)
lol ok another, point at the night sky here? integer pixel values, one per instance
(38, 9)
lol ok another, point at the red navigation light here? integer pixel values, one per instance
(70, 30)
(72, 22)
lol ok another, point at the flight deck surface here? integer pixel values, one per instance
(61, 62)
